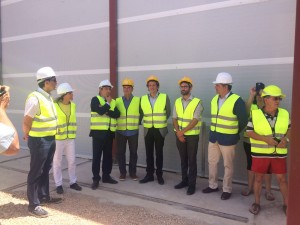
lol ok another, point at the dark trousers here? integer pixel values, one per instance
(188, 156)
(154, 138)
(102, 144)
(41, 156)
(121, 152)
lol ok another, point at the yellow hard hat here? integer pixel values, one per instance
(152, 78)
(185, 79)
(272, 90)
(127, 82)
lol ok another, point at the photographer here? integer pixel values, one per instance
(9, 140)
(269, 130)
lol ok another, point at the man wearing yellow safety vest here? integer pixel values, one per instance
(228, 119)
(155, 111)
(128, 129)
(40, 128)
(187, 125)
(269, 130)
(104, 114)
(65, 137)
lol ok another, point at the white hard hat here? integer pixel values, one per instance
(45, 72)
(64, 88)
(105, 83)
(223, 78)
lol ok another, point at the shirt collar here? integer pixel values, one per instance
(43, 92)
(189, 99)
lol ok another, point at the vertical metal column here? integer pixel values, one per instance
(113, 45)
(294, 168)
(113, 55)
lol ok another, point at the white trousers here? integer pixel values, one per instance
(215, 151)
(68, 147)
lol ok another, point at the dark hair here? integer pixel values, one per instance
(60, 98)
(157, 83)
(188, 83)
(42, 84)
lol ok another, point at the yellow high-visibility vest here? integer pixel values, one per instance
(66, 129)
(223, 120)
(156, 117)
(262, 127)
(103, 122)
(44, 124)
(129, 119)
(185, 116)
(253, 107)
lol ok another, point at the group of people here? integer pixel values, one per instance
(50, 129)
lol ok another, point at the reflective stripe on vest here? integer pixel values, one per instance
(129, 119)
(223, 120)
(103, 122)
(185, 116)
(45, 124)
(156, 117)
(66, 129)
(253, 107)
(262, 127)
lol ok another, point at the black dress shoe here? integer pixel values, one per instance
(225, 195)
(109, 180)
(146, 179)
(190, 190)
(50, 201)
(160, 180)
(209, 190)
(95, 185)
(59, 190)
(182, 184)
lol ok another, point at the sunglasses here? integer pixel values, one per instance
(276, 98)
(51, 79)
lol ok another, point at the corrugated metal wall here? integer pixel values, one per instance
(251, 39)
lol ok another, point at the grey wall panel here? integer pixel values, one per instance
(131, 8)
(250, 31)
(33, 16)
(74, 51)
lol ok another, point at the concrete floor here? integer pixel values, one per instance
(205, 208)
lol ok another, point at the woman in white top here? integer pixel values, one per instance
(65, 138)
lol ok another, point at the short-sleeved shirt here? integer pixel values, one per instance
(32, 105)
(6, 137)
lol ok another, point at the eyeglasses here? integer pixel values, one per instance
(51, 79)
(184, 87)
(276, 98)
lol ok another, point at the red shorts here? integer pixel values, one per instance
(269, 165)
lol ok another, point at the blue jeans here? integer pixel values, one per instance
(41, 156)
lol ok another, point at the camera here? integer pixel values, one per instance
(2, 91)
(259, 86)
(277, 139)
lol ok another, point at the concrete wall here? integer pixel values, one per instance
(251, 39)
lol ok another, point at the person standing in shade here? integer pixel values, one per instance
(269, 130)
(9, 138)
(65, 137)
(40, 128)
(104, 114)
(228, 119)
(155, 111)
(187, 125)
(255, 101)
(128, 129)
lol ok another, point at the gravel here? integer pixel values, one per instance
(82, 209)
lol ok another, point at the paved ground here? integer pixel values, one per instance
(144, 201)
